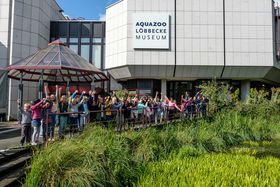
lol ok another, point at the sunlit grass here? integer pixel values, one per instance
(102, 157)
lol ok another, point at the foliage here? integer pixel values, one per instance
(121, 93)
(260, 103)
(178, 153)
(218, 94)
(97, 158)
(275, 95)
(213, 170)
(102, 157)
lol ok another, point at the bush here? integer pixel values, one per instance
(260, 104)
(219, 95)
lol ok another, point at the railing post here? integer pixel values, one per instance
(121, 119)
(47, 129)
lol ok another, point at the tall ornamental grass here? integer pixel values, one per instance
(102, 157)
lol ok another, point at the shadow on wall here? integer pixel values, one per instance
(3, 82)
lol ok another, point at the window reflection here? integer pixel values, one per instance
(96, 55)
(85, 52)
(73, 40)
(74, 48)
(85, 40)
(96, 40)
(64, 40)
(97, 30)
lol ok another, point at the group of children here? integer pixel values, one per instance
(77, 109)
(53, 110)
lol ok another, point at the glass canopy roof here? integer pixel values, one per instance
(57, 63)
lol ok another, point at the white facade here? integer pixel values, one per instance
(24, 28)
(246, 50)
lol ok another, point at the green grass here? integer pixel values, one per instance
(101, 157)
(213, 170)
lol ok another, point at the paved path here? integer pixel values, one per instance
(9, 135)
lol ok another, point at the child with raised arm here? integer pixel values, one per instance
(25, 122)
(36, 119)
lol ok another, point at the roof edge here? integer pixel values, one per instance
(113, 4)
(85, 20)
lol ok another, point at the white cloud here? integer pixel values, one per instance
(102, 17)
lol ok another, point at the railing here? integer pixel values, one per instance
(119, 120)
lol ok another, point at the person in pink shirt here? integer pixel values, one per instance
(36, 108)
(172, 106)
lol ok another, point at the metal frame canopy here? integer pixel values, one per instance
(56, 64)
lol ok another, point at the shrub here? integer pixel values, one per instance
(219, 95)
(122, 93)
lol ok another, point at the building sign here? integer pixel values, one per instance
(151, 31)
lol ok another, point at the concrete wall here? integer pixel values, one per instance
(116, 35)
(200, 48)
(4, 32)
(119, 49)
(249, 40)
(4, 51)
(30, 31)
(249, 33)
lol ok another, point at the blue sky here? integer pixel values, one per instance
(88, 9)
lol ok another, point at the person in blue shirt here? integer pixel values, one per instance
(74, 117)
(84, 118)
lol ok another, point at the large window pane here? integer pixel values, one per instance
(85, 32)
(74, 30)
(96, 55)
(63, 29)
(97, 30)
(54, 29)
(74, 48)
(145, 84)
(85, 52)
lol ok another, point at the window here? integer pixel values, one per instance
(85, 33)
(97, 30)
(85, 40)
(62, 29)
(85, 52)
(74, 32)
(73, 40)
(64, 40)
(96, 55)
(132, 84)
(97, 40)
(54, 31)
(74, 48)
(145, 84)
